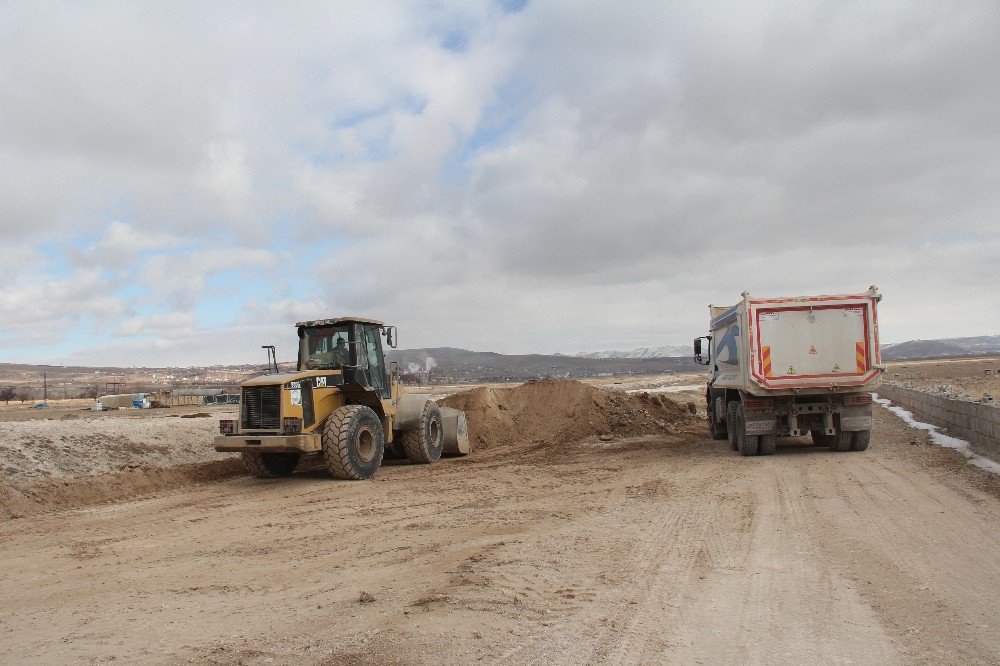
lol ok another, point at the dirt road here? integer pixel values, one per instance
(660, 549)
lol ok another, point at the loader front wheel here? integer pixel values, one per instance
(425, 443)
(270, 465)
(353, 442)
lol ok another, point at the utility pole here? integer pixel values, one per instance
(45, 387)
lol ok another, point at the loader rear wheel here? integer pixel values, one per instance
(731, 410)
(270, 465)
(424, 444)
(841, 441)
(768, 444)
(860, 440)
(716, 429)
(748, 445)
(353, 442)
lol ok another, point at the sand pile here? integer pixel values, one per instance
(13, 503)
(562, 411)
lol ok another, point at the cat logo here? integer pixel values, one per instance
(812, 349)
(321, 382)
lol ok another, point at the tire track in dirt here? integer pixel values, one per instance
(534, 556)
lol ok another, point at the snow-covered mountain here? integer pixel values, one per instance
(664, 351)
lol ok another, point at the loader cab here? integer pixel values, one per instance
(351, 346)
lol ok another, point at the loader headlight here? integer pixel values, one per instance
(296, 396)
(227, 427)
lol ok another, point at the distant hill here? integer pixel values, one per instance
(922, 349)
(663, 351)
(448, 364)
(984, 344)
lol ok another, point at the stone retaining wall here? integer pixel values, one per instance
(975, 422)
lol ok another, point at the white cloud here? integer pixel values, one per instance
(171, 324)
(39, 312)
(182, 278)
(568, 177)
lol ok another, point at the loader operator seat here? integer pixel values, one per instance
(339, 353)
(335, 356)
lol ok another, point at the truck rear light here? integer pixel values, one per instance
(858, 399)
(227, 427)
(291, 425)
(757, 404)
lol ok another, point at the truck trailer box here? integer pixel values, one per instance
(792, 366)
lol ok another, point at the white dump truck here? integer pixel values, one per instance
(790, 367)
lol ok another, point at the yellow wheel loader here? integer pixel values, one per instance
(341, 403)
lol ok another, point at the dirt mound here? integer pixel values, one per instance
(13, 503)
(40, 449)
(562, 411)
(55, 494)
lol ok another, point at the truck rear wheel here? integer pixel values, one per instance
(768, 444)
(716, 429)
(424, 444)
(841, 441)
(819, 439)
(860, 440)
(270, 465)
(748, 445)
(731, 410)
(353, 442)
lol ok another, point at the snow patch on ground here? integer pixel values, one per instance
(940, 438)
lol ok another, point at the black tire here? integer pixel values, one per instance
(767, 445)
(860, 440)
(747, 445)
(731, 411)
(425, 443)
(841, 441)
(819, 439)
(353, 442)
(265, 465)
(715, 429)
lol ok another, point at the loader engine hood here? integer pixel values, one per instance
(334, 378)
(289, 402)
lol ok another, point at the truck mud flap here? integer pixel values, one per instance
(761, 426)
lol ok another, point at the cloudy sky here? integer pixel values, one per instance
(180, 182)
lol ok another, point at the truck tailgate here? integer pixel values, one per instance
(816, 342)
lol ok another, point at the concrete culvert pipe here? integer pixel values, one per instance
(456, 432)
